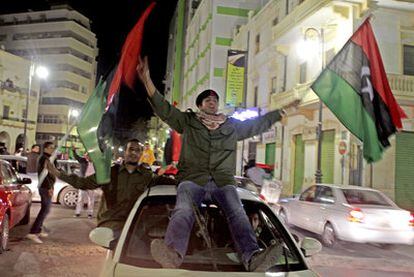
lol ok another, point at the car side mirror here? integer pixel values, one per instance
(310, 246)
(102, 236)
(25, 181)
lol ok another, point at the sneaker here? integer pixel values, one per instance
(43, 234)
(164, 255)
(76, 215)
(264, 259)
(34, 238)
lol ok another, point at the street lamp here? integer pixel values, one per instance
(41, 73)
(313, 42)
(72, 113)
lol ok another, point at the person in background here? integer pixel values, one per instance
(148, 155)
(86, 169)
(32, 158)
(255, 173)
(45, 192)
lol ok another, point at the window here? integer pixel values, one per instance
(408, 60)
(151, 220)
(84, 90)
(257, 44)
(6, 111)
(364, 197)
(325, 195)
(9, 177)
(24, 114)
(274, 85)
(255, 99)
(309, 194)
(302, 73)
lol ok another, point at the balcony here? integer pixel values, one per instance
(301, 91)
(402, 87)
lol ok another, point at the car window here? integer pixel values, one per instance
(364, 197)
(12, 173)
(5, 172)
(325, 195)
(309, 194)
(151, 220)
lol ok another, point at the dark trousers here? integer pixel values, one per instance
(45, 202)
(182, 220)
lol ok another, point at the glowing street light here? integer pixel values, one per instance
(314, 42)
(40, 72)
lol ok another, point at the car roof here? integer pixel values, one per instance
(162, 190)
(13, 158)
(346, 187)
(24, 158)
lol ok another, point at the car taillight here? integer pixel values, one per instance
(411, 220)
(356, 215)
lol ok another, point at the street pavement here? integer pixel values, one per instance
(357, 259)
(66, 252)
(69, 252)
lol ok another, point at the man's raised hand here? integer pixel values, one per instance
(144, 75)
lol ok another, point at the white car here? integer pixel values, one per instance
(63, 193)
(349, 213)
(149, 218)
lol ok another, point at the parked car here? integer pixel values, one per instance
(63, 193)
(349, 213)
(149, 218)
(15, 201)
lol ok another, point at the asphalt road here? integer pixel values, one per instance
(69, 252)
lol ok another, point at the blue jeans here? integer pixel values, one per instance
(45, 203)
(182, 220)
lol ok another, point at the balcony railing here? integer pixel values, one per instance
(402, 86)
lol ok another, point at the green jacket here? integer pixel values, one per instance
(207, 153)
(118, 197)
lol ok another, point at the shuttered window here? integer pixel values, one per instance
(404, 170)
(328, 156)
(299, 164)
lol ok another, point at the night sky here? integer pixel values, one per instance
(111, 22)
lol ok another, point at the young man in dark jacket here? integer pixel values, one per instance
(45, 192)
(128, 182)
(206, 170)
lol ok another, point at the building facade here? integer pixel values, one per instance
(14, 90)
(207, 40)
(277, 73)
(61, 40)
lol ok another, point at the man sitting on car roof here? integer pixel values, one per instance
(206, 171)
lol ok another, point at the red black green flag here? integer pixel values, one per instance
(111, 110)
(355, 88)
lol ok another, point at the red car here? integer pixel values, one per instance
(15, 201)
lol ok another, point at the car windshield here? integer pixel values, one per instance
(367, 197)
(151, 220)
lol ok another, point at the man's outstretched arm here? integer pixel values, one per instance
(171, 115)
(72, 179)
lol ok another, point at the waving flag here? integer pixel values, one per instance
(96, 126)
(355, 88)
